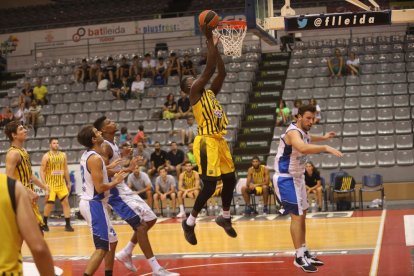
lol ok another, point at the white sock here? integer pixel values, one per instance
(154, 264)
(300, 252)
(191, 220)
(182, 210)
(226, 214)
(129, 248)
(304, 247)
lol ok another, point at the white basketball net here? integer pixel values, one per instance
(231, 36)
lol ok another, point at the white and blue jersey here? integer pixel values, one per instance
(93, 205)
(289, 179)
(129, 206)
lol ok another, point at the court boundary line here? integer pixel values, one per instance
(375, 258)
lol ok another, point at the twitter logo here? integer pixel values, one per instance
(302, 23)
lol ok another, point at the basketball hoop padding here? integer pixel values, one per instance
(231, 34)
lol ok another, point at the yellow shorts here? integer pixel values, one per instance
(37, 214)
(61, 194)
(213, 157)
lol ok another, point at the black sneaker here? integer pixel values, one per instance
(45, 228)
(69, 228)
(189, 232)
(226, 224)
(312, 259)
(303, 263)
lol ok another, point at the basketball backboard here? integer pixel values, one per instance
(256, 13)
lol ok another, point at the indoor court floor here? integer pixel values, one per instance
(373, 242)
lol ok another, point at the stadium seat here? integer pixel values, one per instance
(405, 157)
(67, 119)
(402, 113)
(164, 126)
(384, 101)
(61, 109)
(367, 128)
(350, 144)
(367, 90)
(353, 91)
(351, 115)
(384, 89)
(386, 142)
(64, 143)
(125, 115)
(75, 107)
(81, 118)
(399, 88)
(97, 96)
(36, 158)
(48, 109)
(367, 143)
(401, 100)
(147, 103)
(56, 98)
(85, 97)
(351, 103)
(70, 98)
(159, 137)
(93, 116)
(404, 141)
(118, 105)
(337, 128)
(89, 107)
(104, 106)
(334, 116)
(241, 98)
(150, 126)
(132, 104)
(403, 127)
(368, 115)
(366, 102)
(329, 161)
(112, 115)
(316, 130)
(52, 120)
(57, 131)
(367, 159)
(234, 110)
(33, 145)
(349, 160)
(141, 115)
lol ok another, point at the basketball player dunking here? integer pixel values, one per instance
(18, 165)
(54, 172)
(211, 151)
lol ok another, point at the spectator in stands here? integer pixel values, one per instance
(143, 155)
(40, 93)
(140, 136)
(135, 68)
(160, 72)
(190, 156)
(103, 84)
(352, 64)
(124, 136)
(158, 159)
(175, 159)
(139, 182)
(188, 186)
(188, 68)
(126, 154)
(148, 66)
(313, 183)
(6, 116)
(318, 114)
(95, 72)
(170, 108)
(257, 183)
(296, 104)
(26, 97)
(165, 188)
(137, 87)
(21, 114)
(82, 72)
(287, 42)
(33, 115)
(282, 114)
(336, 64)
(110, 70)
(184, 106)
(174, 66)
(188, 134)
(123, 69)
(121, 89)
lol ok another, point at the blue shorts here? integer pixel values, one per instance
(96, 216)
(291, 192)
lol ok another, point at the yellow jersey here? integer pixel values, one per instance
(209, 115)
(55, 170)
(10, 256)
(189, 181)
(258, 175)
(23, 171)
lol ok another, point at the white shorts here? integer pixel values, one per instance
(131, 208)
(96, 216)
(291, 192)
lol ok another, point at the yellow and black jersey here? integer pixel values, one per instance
(55, 170)
(209, 115)
(10, 256)
(258, 176)
(189, 181)
(23, 171)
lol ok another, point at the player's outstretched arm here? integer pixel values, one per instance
(294, 138)
(327, 136)
(29, 229)
(219, 79)
(197, 87)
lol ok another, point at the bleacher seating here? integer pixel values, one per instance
(371, 113)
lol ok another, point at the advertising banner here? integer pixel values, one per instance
(337, 20)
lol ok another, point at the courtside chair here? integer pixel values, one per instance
(371, 183)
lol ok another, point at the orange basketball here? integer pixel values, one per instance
(208, 17)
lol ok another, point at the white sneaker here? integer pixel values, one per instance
(163, 272)
(126, 259)
(181, 215)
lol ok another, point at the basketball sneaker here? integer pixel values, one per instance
(189, 232)
(45, 228)
(265, 210)
(181, 215)
(69, 228)
(303, 263)
(126, 259)
(312, 259)
(226, 224)
(163, 272)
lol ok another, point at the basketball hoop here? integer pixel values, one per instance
(231, 34)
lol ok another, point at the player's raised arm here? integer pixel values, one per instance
(295, 139)
(221, 75)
